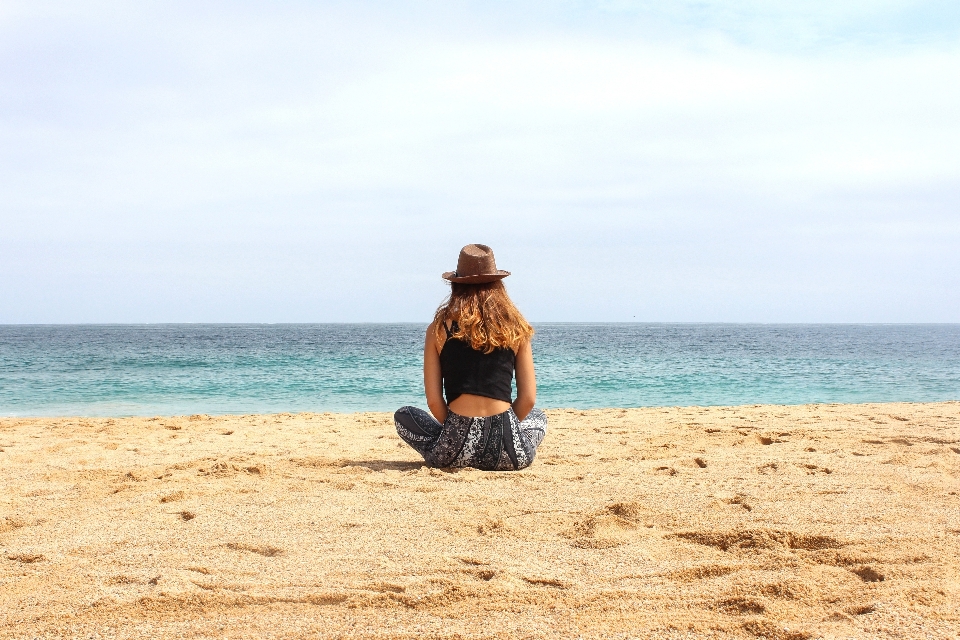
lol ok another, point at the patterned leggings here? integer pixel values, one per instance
(495, 443)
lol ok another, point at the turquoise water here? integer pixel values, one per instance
(116, 370)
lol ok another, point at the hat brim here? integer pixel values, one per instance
(478, 279)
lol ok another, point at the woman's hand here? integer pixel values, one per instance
(432, 377)
(526, 382)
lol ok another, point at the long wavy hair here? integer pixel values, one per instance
(485, 315)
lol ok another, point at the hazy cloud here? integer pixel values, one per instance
(703, 161)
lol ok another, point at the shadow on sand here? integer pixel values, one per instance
(384, 465)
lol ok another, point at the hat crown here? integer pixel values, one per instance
(476, 260)
(476, 265)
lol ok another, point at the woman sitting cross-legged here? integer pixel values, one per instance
(477, 340)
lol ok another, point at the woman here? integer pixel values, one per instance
(477, 339)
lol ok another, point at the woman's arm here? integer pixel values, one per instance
(526, 382)
(432, 378)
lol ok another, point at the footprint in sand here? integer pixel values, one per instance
(739, 606)
(703, 572)
(812, 469)
(491, 526)
(266, 551)
(783, 590)
(545, 582)
(868, 574)
(734, 499)
(387, 587)
(765, 629)
(26, 558)
(770, 539)
(326, 598)
(861, 609)
(9, 524)
(614, 525)
(222, 469)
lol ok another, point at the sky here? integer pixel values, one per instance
(709, 161)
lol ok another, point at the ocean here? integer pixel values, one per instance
(179, 369)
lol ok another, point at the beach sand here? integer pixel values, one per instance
(830, 521)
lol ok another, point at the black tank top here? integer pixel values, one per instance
(466, 370)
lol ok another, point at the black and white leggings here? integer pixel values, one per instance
(495, 443)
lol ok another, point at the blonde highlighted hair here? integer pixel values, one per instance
(485, 315)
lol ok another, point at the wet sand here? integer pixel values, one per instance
(830, 521)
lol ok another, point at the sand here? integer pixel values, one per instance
(830, 521)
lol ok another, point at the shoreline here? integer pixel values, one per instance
(776, 521)
(311, 414)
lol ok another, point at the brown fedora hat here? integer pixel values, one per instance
(476, 266)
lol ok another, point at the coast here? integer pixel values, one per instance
(785, 522)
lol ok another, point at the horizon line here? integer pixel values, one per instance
(414, 322)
